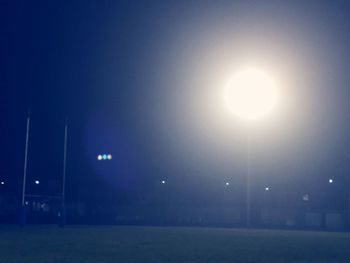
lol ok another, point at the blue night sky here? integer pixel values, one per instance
(142, 80)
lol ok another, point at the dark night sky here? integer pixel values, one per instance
(136, 78)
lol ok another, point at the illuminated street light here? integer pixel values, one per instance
(99, 157)
(330, 181)
(227, 184)
(2, 182)
(251, 94)
(163, 182)
(267, 188)
(37, 182)
(109, 156)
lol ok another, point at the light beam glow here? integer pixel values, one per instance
(251, 94)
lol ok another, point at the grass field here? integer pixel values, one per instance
(105, 244)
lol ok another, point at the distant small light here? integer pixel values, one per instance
(109, 156)
(306, 197)
(227, 184)
(37, 182)
(330, 181)
(99, 157)
(104, 157)
(26, 203)
(267, 188)
(2, 182)
(163, 182)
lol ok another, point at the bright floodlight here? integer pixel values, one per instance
(99, 157)
(330, 181)
(37, 182)
(163, 182)
(251, 94)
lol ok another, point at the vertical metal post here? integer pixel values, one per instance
(23, 211)
(64, 163)
(63, 212)
(248, 183)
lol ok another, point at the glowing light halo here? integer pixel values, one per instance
(251, 94)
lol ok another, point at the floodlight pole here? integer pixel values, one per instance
(23, 205)
(248, 183)
(63, 208)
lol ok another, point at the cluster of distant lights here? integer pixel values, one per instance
(104, 157)
(109, 157)
(35, 182)
(267, 188)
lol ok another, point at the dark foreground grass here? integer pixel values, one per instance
(105, 244)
